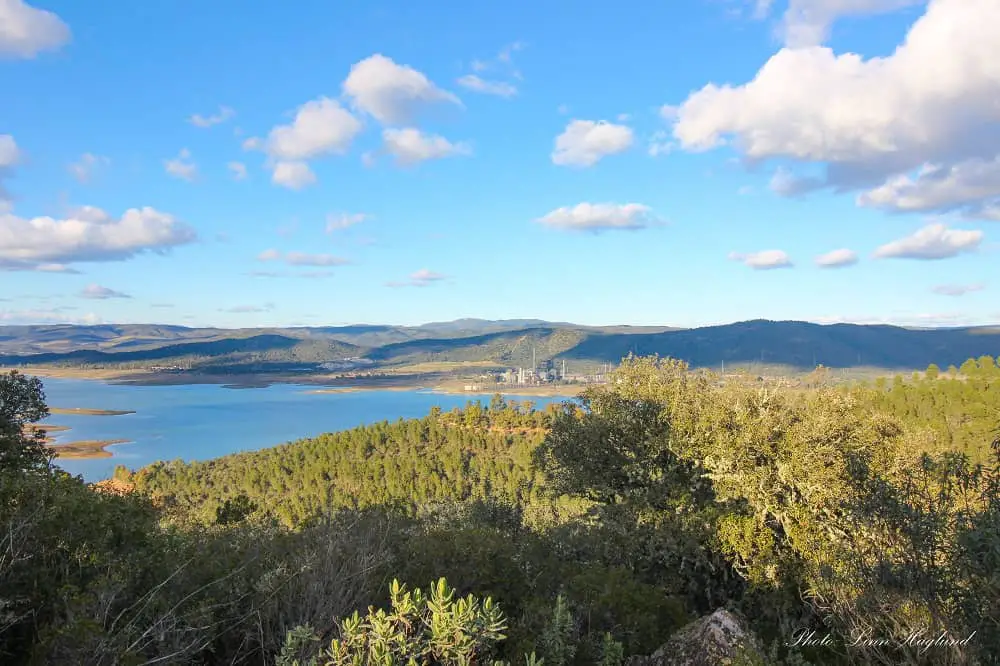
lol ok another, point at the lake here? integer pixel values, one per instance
(201, 421)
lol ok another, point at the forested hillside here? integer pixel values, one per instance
(483, 451)
(596, 530)
(787, 345)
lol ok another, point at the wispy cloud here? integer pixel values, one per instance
(96, 291)
(224, 114)
(763, 260)
(421, 278)
(957, 289)
(302, 258)
(248, 309)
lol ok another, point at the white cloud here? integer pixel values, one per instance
(957, 289)
(47, 316)
(224, 114)
(26, 31)
(660, 144)
(338, 221)
(10, 156)
(238, 170)
(763, 260)
(302, 258)
(320, 127)
(478, 84)
(807, 22)
(84, 169)
(600, 217)
(89, 234)
(421, 278)
(837, 258)
(96, 291)
(293, 175)
(935, 241)
(410, 146)
(248, 309)
(934, 100)
(937, 188)
(306, 259)
(584, 142)
(181, 166)
(391, 93)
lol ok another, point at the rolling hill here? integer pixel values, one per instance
(511, 343)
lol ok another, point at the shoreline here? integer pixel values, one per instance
(85, 449)
(436, 382)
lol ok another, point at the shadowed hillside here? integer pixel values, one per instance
(789, 344)
(800, 344)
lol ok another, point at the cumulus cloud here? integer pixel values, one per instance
(938, 188)
(585, 142)
(224, 114)
(88, 164)
(411, 146)
(26, 31)
(302, 258)
(763, 260)
(238, 170)
(338, 221)
(957, 289)
(97, 292)
(421, 278)
(320, 127)
(87, 235)
(837, 258)
(932, 101)
(600, 217)
(393, 94)
(935, 241)
(487, 87)
(293, 175)
(808, 22)
(181, 166)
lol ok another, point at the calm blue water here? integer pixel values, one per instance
(201, 421)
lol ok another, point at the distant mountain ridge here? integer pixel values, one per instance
(509, 343)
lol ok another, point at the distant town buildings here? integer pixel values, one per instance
(546, 372)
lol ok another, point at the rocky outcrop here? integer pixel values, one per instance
(719, 639)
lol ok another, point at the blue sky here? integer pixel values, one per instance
(687, 163)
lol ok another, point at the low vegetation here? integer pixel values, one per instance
(583, 534)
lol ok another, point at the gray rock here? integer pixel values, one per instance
(719, 639)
